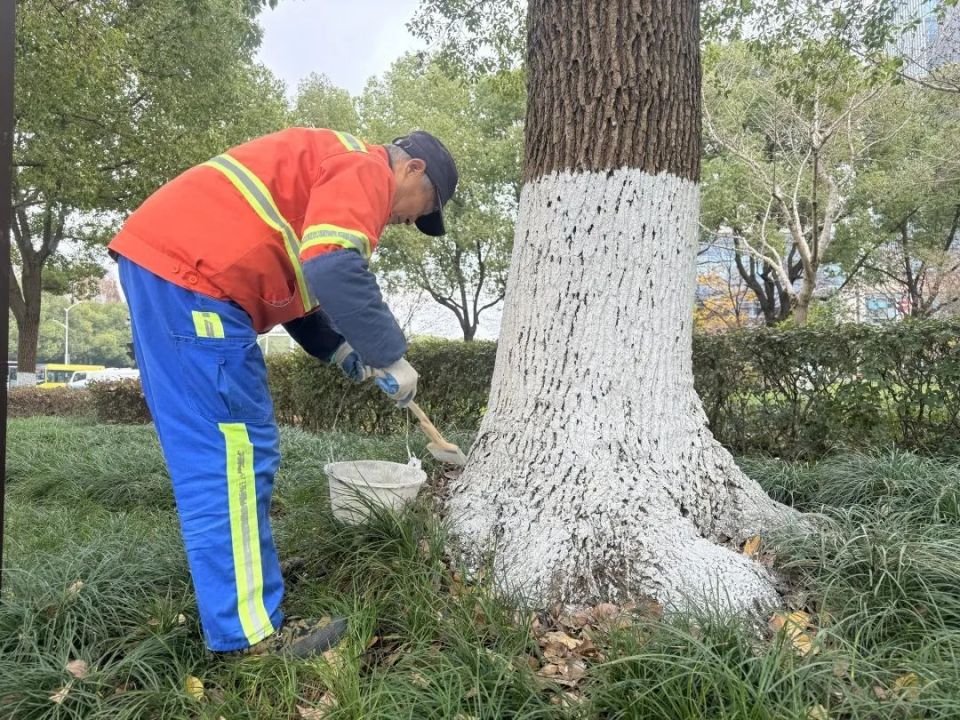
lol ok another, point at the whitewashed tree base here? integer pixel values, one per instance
(594, 476)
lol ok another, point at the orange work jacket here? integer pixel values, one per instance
(240, 226)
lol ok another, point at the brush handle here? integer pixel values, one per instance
(428, 427)
(425, 423)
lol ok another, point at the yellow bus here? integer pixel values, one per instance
(58, 375)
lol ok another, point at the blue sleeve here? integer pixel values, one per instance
(315, 334)
(348, 293)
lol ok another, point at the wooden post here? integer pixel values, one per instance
(7, 54)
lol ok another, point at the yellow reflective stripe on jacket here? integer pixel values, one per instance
(245, 532)
(207, 324)
(258, 197)
(350, 142)
(335, 235)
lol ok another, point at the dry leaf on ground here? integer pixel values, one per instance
(419, 679)
(194, 687)
(550, 670)
(319, 711)
(75, 589)
(78, 668)
(751, 546)
(818, 712)
(908, 685)
(794, 625)
(60, 695)
(575, 621)
(560, 638)
(555, 652)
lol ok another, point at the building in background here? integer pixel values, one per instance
(926, 43)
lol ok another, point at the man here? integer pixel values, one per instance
(278, 230)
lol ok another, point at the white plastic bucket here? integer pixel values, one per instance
(377, 482)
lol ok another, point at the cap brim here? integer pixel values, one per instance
(432, 224)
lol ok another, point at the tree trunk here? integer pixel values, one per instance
(594, 476)
(25, 298)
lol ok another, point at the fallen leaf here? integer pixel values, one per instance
(818, 712)
(319, 711)
(555, 652)
(574, 670)
(533, 663)
(373, 641)
(308, 713)
(419, 679)
(575, 621)
(75, 589)
(589, 650)
(880, 692)
(561, 638)
(751, 546)
(794, 625)
(78, 668)
(153, 622)
(549, 670)
(181, 619)
(566, 698)
(463, 716)
(605, 611)
(194, 687)
(334, 658)
(60, 695)
(908, 685)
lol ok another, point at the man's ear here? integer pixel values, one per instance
(417, 165)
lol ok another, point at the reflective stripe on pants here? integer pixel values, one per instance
(205, 383)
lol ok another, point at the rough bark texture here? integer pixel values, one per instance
(594, 475)
(613, 83)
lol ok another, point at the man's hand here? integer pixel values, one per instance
(399, 381)
(350, 363)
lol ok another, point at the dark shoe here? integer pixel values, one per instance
(301, 638)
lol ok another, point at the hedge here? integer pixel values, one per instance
(801, 392)
(61, 401)
(796, 392)
(454, 384)
(119, 401)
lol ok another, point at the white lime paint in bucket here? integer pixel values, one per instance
(379, 483)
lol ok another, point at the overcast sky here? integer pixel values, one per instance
(348, 40)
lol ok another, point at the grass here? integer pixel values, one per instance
(96, 573)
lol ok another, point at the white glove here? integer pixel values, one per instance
(399, 381)
(350, 363)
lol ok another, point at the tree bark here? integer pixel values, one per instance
(594, 476)
(25, 299)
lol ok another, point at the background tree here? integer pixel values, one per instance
(473, 36)
(594, 475)
(876, 32)
(322, 104)
(99, 332)
(903, 232)
(113, 98)
(724, 301)
(479, 117)
(794, 137)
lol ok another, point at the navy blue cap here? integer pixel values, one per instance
(440, 169)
